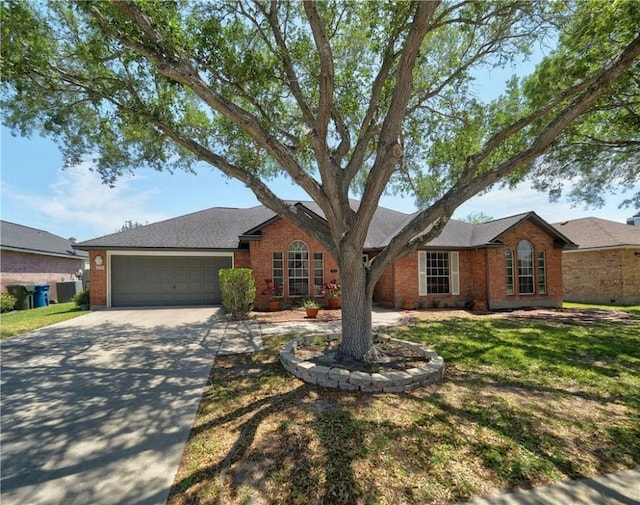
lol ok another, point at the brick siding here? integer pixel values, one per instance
(99, 276)
(27, 268)
(604, 276)
(401, 280)
(541, 241)
(277, 237)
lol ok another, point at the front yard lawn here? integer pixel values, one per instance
(528, 400)
(27, 320)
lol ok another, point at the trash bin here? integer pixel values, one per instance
(24, 295)
(41, 296)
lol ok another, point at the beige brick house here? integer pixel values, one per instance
(605, 268)
(506, 263)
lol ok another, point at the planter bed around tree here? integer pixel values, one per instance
(413, 365)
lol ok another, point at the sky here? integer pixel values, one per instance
(36, 191)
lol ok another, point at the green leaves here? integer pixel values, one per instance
(238, 85)
(601, 151)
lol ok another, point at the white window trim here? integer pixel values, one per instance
(309, 268)
(454, 274)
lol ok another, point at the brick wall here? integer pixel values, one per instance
(99, 276)
(604, 276)
(276, 238)
(241, 259)
(401, 280)
(541, 241)
(26, 268)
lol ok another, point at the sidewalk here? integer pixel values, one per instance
(622, 488)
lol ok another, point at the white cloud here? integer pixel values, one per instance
(78, 203)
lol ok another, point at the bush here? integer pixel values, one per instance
(238, 291)
(82, 298)
(7, 302)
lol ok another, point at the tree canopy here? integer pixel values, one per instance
(342, 97)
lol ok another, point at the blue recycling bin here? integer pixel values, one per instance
(41, 295)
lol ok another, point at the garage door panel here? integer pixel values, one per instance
(166, 280)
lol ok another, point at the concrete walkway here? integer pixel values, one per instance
(96, 410)
(622, 488)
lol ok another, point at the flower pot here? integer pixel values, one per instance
(312, 312)
(273, 305)
(334, 303)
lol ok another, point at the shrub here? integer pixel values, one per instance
(238, 291)
(7, 302)
(82, 298)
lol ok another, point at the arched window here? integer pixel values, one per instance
(298, 268)
(525, 268)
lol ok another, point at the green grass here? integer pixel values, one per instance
(526, 401)
(27, 320)
(631, 309)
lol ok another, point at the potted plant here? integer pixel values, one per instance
(332, 290)
(311, 307)
(275, 292)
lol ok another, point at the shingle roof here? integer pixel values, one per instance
(221, 228)
(31, 240)
(596, 233)
(215, 228)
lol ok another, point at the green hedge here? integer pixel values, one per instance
(238, 291)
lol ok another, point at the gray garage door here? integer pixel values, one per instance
(138, 281)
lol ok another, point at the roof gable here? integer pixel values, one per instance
(17, 237)
(491, 231)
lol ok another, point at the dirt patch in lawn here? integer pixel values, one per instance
(585, 315)
(392, 356)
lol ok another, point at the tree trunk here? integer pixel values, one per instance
(357, 340)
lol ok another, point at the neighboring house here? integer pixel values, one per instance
(507, 263)
(32, 256)
(605, 268)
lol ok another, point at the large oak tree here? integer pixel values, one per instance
(343, 97)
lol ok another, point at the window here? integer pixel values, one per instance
(525, 268)
(438, 273)
(277, 270)
(508, 270)
(318, 273)
(542, 276)
(298, 267)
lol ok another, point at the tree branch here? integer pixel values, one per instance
(387, 155)
(411, 236)
(181, 70)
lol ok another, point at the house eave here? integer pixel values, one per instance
(43, 253)
(579, 249)
(168, 249)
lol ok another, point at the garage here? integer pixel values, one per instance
(138, 281)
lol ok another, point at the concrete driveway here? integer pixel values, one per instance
(96, 410)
